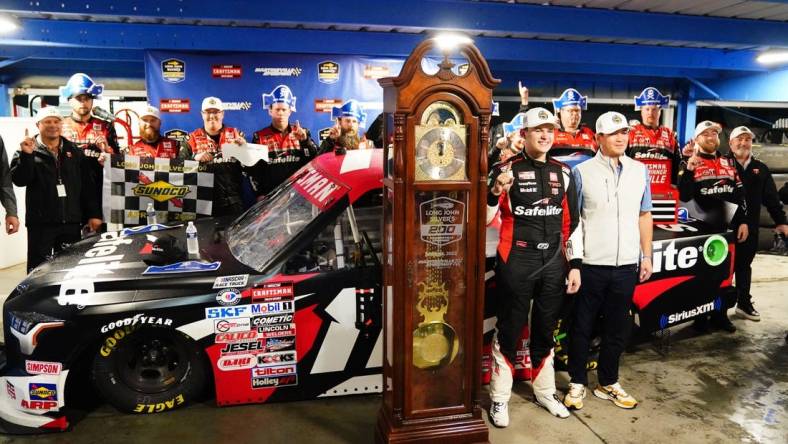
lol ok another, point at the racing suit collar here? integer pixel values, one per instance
(276, 130)
(532, 161)
(704, 155)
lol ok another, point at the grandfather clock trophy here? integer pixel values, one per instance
(436, 125)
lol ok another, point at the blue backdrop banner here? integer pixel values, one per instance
(177, 82)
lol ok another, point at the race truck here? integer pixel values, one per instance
(281, 304)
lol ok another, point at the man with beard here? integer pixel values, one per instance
(204, 145)
(289, 146)
(343, 135)
(152, 143)
(537, 200)
(60, 191)
(89, 133)
(649, 140)
(759, 188)
(713, 182)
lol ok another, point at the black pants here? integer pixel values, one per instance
(745, 253)
(605, 291)
(517, 285)
(46, 239)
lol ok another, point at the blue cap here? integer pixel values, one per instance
(516, 124)
(280, 94)
(81, 83)
(570, 97)
(351, 108)
(651, 96)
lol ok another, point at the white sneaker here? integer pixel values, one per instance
(574, 399)
(499, 414)
(552, 405)
(616, 394)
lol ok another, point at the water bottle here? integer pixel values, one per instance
(192, 245)
(150, 212)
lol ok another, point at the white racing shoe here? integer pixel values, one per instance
(499, 414)
(553, 405)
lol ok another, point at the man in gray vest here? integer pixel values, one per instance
(613, 241)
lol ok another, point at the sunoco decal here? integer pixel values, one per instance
(160, 191)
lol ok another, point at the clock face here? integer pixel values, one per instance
(440, 144)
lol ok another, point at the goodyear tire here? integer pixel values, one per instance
(149, 370)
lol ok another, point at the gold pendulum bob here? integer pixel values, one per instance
(435, 343)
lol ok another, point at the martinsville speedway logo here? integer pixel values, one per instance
(237, 106)
(160, 190)
(278, 72)
(666, 320)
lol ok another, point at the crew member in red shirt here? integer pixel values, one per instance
(649, 139)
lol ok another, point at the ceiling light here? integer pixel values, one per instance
(772, 57)
(7, 24)
(448, 42)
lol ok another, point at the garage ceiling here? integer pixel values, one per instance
(672, 38)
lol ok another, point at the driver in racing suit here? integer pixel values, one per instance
(538, 205)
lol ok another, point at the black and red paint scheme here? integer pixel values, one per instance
(304, 260)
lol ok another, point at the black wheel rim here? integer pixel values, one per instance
(151, 363)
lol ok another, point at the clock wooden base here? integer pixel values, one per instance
(435, 430)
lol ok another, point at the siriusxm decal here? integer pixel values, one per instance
(183, 267)
(145, 229)
(667, 320)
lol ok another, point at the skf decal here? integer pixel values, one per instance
(161, 191)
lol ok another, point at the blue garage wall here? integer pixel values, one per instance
(766, 87)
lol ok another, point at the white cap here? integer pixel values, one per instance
(739, 130)
(539, 116)
(610, 122)
(706, 124)
(150, 110)
(212, 103)
(48, 111)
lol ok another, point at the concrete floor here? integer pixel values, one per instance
(714, 388)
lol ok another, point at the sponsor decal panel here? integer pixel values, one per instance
(262, 308)
(173, 70)
(174, 105)
(43, 368)
(237, 106)
(265, 321)
(40, 391)
(161, 406)
(243, 347)
(229, 296)
(238, 280)
(277, 330)
(177, 134)
(270, 382)
(226, 71)
(237, 336)
(276, 358)
(232, 325)
(277, 291)
(236, 362)
(285, 343)
(668, 320)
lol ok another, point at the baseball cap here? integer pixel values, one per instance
(706, 124)
(150, 110)
(739, 130)
(610, 122)
(48, 111)
(212, 103)
(537, 117)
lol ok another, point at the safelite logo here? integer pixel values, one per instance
(667, 320)
(161, 191)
